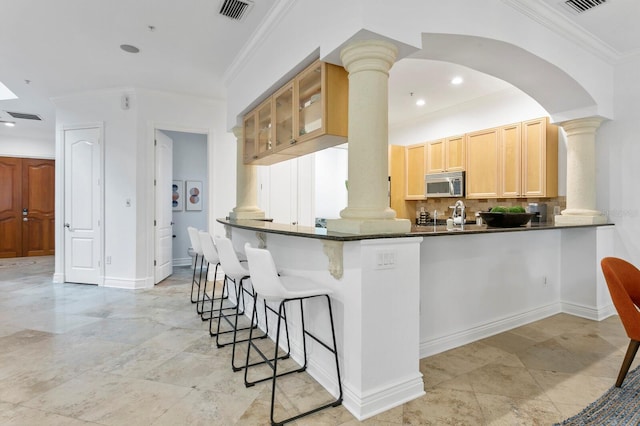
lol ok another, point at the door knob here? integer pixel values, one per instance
(25, 219)
(66, 225)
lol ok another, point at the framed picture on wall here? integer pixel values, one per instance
(177, 195)
(193, 195)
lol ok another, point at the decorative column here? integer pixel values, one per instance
(246, 185)
(581, 173)
(368, 63)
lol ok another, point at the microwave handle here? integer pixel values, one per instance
(450, 186)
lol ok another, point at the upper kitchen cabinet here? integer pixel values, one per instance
(539, 158)
(259, 135)
(250, 152)
(446, 155)
(511, 160)
(310, 113)
(483, 159)
(416, 159)
(514, 161)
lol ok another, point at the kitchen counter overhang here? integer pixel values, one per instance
(416, 231)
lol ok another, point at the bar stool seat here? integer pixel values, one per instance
(238, 275)
(211, 256)
(270, 286)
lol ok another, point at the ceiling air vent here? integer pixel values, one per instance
(580, 6)
(24, 116)
(235, 9)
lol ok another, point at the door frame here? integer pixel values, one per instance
(152, 127)
(60, 253)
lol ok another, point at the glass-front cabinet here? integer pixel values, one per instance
(310, 100)
(249, 129)
(283, 101)
(264, 130)
(305, 115)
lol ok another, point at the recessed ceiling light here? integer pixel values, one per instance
(420, 102)
(8, 123)
(129, 48)
(456, 80)
(5, 93)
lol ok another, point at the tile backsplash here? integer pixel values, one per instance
(442, 205)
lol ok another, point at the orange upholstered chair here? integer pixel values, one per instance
(623, 280)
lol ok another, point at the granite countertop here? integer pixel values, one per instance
(416, 231)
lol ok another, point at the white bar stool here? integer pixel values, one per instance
(211, 256)
(270, 286)
(197, 250)
(239, 275)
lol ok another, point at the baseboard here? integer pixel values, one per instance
(380, 400)
(58, 278)
(184, 261)
(481, 331)
(589, 312)
(127, 283)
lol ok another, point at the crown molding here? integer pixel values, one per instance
(545, 15)
(267, 25)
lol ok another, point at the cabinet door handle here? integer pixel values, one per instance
(255, 157)
(292, 141)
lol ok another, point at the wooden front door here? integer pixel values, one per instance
(10, 207)
(26, 207)
(38, 182)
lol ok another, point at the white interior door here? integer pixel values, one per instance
(164, 212)
(83, 204)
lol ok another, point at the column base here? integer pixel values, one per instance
(579, 219)
(247, 214)
(369, 226)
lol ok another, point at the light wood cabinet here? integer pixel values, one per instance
(435, 157)
(483, 157)
(446, 155)
(397, 175)
(510, 153)
(514, 161)
(306, 115)
(539, 158)
(455, 158)
(415, 157)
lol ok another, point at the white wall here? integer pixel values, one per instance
(268, 62)
(129, 168)
(189, 163)
(119, 162)
(28, 148)
(617, 153)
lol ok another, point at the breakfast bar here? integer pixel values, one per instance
(402, 297)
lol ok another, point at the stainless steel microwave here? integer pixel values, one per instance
(444, 185)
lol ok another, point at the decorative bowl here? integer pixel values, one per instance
(505, 220)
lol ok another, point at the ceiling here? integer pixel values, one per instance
(56, 48)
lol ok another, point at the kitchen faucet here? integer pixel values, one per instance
(458, 211)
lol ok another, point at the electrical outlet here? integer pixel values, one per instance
(385, 259)
(108, 260)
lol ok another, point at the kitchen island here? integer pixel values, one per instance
(401, 297)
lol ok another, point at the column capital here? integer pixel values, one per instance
(579, 126)
(369, 55)
(238, 132)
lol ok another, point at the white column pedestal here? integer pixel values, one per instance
(368, 63)
(581, 173)
(246, 185)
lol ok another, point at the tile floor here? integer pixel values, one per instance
(83, 355)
